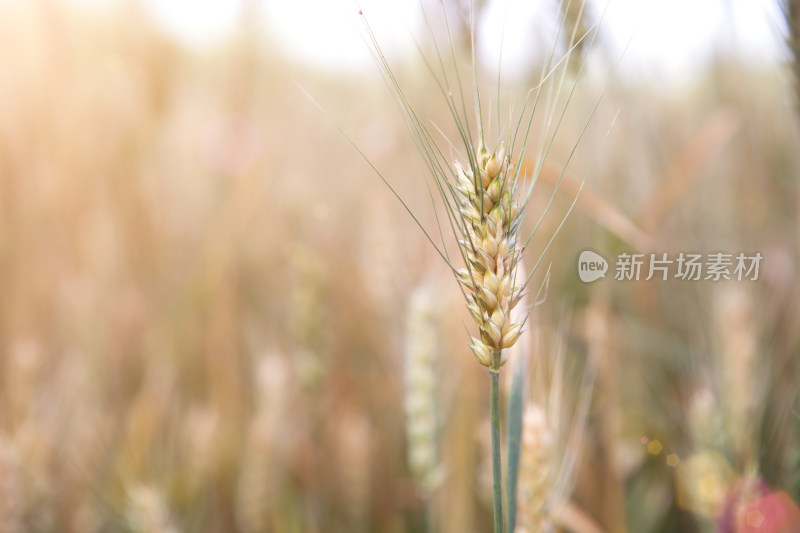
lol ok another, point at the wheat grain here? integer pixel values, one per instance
(489, 210)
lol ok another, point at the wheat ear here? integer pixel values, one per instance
(480, 201)
(420, 390)
(489, 209)
(535, 474)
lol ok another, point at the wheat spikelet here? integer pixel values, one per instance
(535, 473)
(420, 389)
(489, 210)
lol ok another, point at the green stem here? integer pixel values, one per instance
(514, 437)
(497, 482)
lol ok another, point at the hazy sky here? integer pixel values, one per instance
(667, 38)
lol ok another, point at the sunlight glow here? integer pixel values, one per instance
(661, 39)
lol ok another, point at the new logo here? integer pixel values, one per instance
(591, 266)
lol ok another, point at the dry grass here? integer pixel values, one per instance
(202, 323)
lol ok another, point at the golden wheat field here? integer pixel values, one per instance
(216, 317)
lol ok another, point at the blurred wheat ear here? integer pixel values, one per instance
(421, 379)
(535, 476)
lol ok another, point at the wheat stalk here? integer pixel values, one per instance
(489, 212)
(482, 202)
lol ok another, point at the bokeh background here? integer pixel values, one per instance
(208, 298)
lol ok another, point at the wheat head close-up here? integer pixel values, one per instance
(425, 266)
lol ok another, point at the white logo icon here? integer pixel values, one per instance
(591, 266)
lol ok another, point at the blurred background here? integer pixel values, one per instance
(215, 317)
